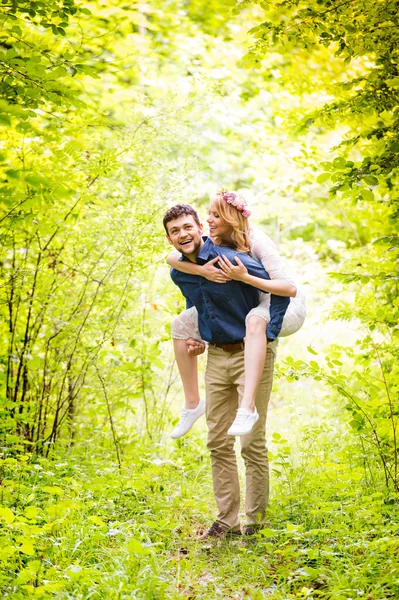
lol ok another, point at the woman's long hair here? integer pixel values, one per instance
(233, 217)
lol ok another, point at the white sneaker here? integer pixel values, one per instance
(188, 417)
(244, 421)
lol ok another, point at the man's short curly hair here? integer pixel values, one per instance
(177, 211)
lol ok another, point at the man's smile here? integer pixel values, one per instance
(185, 234)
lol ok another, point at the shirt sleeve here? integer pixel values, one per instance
(278, 308)
(264, 250)
(278, 304)
(173, 274)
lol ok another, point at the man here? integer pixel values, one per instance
(221, 319)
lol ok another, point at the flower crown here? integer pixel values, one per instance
(235, 200)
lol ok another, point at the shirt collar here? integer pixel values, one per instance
(206, 250)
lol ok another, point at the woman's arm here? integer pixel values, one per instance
(209, 271)
(279, 287)
(264, 250)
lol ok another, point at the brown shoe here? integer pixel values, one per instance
(251, 530)
(218, 531)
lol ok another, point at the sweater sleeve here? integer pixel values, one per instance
(264, 250)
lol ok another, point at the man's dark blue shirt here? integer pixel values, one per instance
(222, 308)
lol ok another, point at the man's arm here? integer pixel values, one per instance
(174, 274)
(189, 304)
(278, 308)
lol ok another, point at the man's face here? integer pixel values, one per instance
(185, 235)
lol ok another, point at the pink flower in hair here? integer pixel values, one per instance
(229, 197)
(235, 200)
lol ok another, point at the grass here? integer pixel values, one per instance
(76, 527)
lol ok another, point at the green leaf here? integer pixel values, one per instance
(318, 531)
(339, 162)
(291, 527)
(13, 174)
(323, 177)
(268, 533)
(371, 180)
(34, 566)
(5, 120)
(96, 520)
(31, 512)
(314, 365)
(137, 548)
(36, 181)
(310, 349)
(367, 195)
(27, 548)
(7, 515)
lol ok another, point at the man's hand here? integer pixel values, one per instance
(194, 347)
(238, 272)
(212, 273)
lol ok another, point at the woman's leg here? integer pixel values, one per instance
(188, 345)
(254, 359)
(194, 406)
(254, 362)
(187, 365)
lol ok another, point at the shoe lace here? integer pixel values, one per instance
(183, 417)
(240, 419)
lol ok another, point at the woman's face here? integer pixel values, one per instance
(217, 226)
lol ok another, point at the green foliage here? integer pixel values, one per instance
(366, 386)
(76, 526)
(80, 190)
(36, 70)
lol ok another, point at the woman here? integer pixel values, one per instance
(229, 226)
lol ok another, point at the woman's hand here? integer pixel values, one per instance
(212, 273)
(238, 272)
(194, 347)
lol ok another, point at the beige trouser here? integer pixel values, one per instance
(224, 380)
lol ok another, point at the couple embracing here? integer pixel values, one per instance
(240, 297)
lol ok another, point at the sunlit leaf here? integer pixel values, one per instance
(137, 548)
